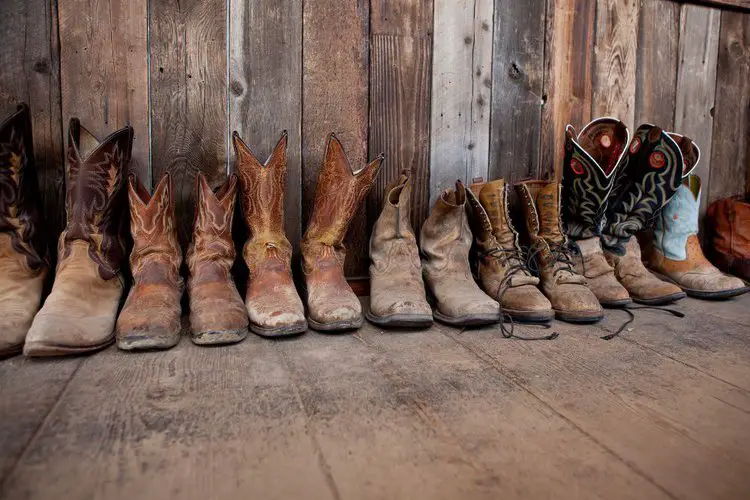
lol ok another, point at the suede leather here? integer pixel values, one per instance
(599, 274)
(729, 221)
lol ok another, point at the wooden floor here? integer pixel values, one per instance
(661, 412)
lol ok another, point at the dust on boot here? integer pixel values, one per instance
(332, 305)
(217, 314)
(80, 313)
(501, 267)
(445, 242)
(397, 294)
(23, 264)
(729, 223)
(272, 302)
(571, 299)
(150, 318)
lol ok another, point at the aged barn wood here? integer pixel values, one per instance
(188, 97)
(461, 80)
(400, 69)
(265, 88)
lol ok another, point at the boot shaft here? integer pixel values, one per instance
(489, 208)
(730, 227)
(394, 223)
(446, 236)
(541, 207)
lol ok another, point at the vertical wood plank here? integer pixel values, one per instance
(265, 87)
(517, 89)
(656, 72)
(461, 88)
(188, 96)
(730, 148)
(400, 63)
(335, 99)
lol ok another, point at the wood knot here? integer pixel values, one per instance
(514, 71)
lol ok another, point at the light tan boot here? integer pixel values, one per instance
(446, 240)
(502, 271)
(571, 299)
(23, 263)
(397, 295)
(591, 263)
(79, 315)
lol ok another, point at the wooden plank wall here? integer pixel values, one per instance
(447, 89)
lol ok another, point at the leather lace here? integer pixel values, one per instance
(628, 311)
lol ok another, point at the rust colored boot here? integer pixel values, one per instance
(729, 221)
(272, 302)
(217, 314)
(571, 299)
(79, 315)
(151, 316)
(676, 253)
(502, 270)
(332, 305)
(446, 240)
(23, 264)
(397, 295)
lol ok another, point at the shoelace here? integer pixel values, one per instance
(628, 311)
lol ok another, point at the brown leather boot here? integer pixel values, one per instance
(729, 240)
(332, 305)
(150, 318)
(446, 240)
(79, 315)
(397, 295)
(23, 264)
(571, 299)
(272, 302)
(501, 267)
(217, 314)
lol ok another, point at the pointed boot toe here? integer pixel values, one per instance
(148, 324)
(340, 313)
(276, 322)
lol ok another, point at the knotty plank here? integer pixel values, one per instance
(730, 148)
(189, 119)
(400, 63)
(461, 89)
(335, 99)
(265, 88)
(517, 88)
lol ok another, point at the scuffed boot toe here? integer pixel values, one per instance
(482, 311)
(609, 291)
(56, 335)
(576, 304)
(337, 318)
(527, 303)
(715, 285)
(277, 323)
(403, 314)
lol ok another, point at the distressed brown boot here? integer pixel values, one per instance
(79, 315)
(729, 240)
(501, 268)
(397, 295)
(446, 240)
(150, 318)
(571, 299)
(332, 305)
(272, 302)
(217, 314)
(23, 264)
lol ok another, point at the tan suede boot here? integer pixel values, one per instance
(502, 271)
(446, 240)
(272, 302)
(23, 264)
(571, 299)
(79, 315)
(332, 305)
(150, 318)
(397, 294)
(217, 314)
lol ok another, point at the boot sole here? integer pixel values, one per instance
(148, 342)
(468, 320)
(283, 331)
(401, 320)
(219, 337)
(616, 303)
(702, 294)
(578, 317)
(530, 316)
(11, 351)
(336, 326)
(660, 301)
(43, 350)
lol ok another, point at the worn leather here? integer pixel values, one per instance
(446, 239)
(332, 305)
(150, 318)
(272, 302)
(217, 313)
(729, 221)
(600, 275)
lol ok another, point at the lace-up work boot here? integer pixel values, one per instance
(397, 294)
(502, 271)
(446, 241)
(571, 300)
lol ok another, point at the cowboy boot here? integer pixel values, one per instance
(729, 221)
(571, 299)
(676, 253)
(79, 315)
(272, 302)
(23, 264)
(332, 305)
(397, 294)
(217, 314)
(446, 240)
(150, 318)
(591, 160)
(502, 271)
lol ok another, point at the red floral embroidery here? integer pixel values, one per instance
(657, 160)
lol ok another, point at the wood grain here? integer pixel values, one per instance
(189, 120)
